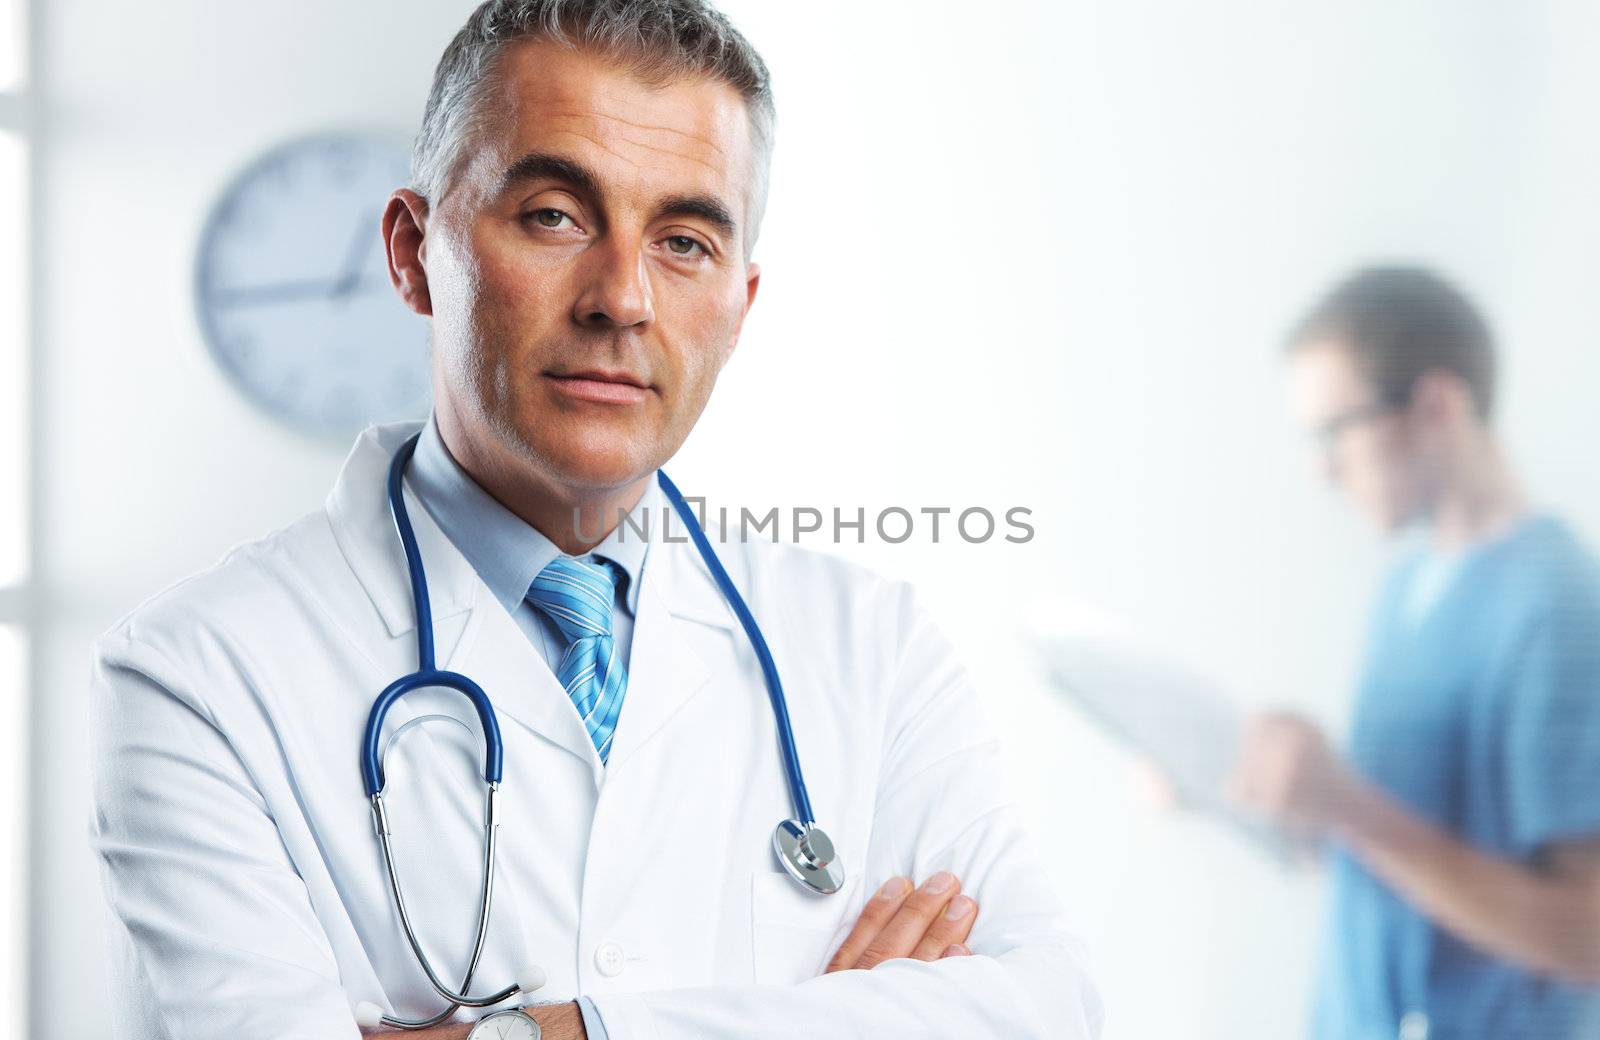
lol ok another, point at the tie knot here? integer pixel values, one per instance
(577, 595)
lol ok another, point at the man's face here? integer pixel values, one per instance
(586, 267)
(1366, 447)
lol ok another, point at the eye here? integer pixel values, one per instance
(550, 218)
(683, 245)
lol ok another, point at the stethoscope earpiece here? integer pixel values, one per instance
(369, 1015)
(531, 979)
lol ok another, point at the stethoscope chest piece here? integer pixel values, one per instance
(807, 854)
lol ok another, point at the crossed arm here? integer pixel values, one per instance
(939, 809)
(926, 923)
(181, 822)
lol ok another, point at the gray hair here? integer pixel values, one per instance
(657, 40)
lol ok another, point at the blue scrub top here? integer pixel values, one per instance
(1480, 713)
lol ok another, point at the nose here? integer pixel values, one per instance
(616, 292)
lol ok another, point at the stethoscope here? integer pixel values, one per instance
(804, 849)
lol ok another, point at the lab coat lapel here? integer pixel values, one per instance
(676, 597)
(498, 655)
(492, 650)
(358, 512)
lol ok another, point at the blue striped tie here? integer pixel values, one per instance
(578, 596)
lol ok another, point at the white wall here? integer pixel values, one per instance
(1021, 254)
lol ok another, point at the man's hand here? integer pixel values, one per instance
(929, 924)
(1288, 775)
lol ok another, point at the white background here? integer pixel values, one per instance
(1018, 253)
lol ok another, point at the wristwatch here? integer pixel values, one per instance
(515, 1024)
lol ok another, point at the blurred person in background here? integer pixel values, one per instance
(1464, 818)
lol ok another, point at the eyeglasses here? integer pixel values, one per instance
(1327, 435)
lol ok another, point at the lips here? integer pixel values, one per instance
(600, 386)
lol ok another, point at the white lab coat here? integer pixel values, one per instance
(248, 893)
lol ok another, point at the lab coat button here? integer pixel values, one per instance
(1414, 1025)
(608, 957)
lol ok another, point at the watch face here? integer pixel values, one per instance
(505, 1025)
(293, 291)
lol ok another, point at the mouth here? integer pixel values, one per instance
(601, 386)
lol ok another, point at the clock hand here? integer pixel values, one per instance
(355, 253)
(284, 292)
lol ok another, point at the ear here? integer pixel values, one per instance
(1441, 397)
(405, 222)
(752, 282)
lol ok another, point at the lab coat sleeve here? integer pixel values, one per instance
(214, 926)
(940, 806)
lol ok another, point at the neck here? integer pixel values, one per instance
(575, 519)
(1481, 498)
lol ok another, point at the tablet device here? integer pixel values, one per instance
(1180, 721)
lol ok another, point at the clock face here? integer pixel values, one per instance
(293, 289)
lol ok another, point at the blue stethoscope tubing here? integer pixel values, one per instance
(758, 642)
(803, 849)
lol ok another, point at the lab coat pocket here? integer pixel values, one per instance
(794, 932)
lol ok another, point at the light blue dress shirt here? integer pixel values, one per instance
(508, 554)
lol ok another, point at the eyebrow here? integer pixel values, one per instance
(537, 166)
(707, 207)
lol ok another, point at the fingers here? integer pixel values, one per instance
(904, 933)
(927, 923)
(874, 916)
(949, 930)
(1286, 774)
(1262, 775)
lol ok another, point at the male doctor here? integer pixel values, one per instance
(587, 186)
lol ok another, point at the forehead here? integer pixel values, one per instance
(682, 135)
(1325, 381)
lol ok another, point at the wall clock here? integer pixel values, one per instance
(293, 293)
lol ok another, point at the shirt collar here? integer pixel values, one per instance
(506, 551)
